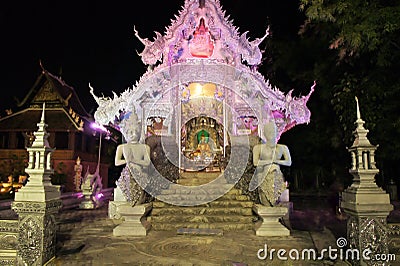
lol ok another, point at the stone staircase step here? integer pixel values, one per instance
(189, 198)
(212, 191)
(202, 179)
(224, 226)
(200, 232)
(201, 219)
(201, 210)
(235, 197)
(213, 186)
(229, 209)
(229, 203)
(217, 203)
(202, 197)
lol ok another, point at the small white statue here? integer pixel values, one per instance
(91, 187)
(87, 184)
(267, 158)
(136, 156)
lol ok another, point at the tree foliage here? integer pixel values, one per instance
(365, 37)
(361, 26)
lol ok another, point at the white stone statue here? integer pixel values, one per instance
(87, 184)
(91, 187)
(268, 157)
(136, 157)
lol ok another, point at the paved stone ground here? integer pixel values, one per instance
(85, 238)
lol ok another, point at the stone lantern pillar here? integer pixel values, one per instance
(366, 204)
(36, 204)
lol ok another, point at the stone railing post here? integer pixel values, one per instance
(366, 204)
(36, 205)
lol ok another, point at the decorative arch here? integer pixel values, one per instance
(250, 86)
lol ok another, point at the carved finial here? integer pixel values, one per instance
(258, 41)
(144, 41)
(360, 132)
(67, 99)
(311, 91)
(94, 96)
(358, 110)
(44, 107)
(41, 65)
(9, 111)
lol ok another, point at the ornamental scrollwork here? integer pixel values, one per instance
(368, 233)
(394, 229)
(7, 262)
(8, 242)
(37, 207)
(9, 226)
(29, 240)
(49, 240)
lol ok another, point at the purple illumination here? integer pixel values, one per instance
(99, 196)
(98, 127)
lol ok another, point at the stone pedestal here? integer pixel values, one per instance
(366, 204)
(113, 209)
(284, 201)
(119, 199)
(286, 218)
(134, 223)
(36, 204)
(34, 191)
(367, 226)
(37, 231)
(271, 225)
(87, 202)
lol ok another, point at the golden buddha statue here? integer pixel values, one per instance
(203, 149)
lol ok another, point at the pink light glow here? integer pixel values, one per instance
(277, 114)
(98, 127)
(99, 196)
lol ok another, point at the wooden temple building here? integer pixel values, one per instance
(69, 128)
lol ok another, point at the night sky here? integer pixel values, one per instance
(93, 41)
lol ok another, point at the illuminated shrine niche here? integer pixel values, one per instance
(201, 45)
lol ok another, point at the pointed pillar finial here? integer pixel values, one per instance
(358, 110)
(44, 107)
